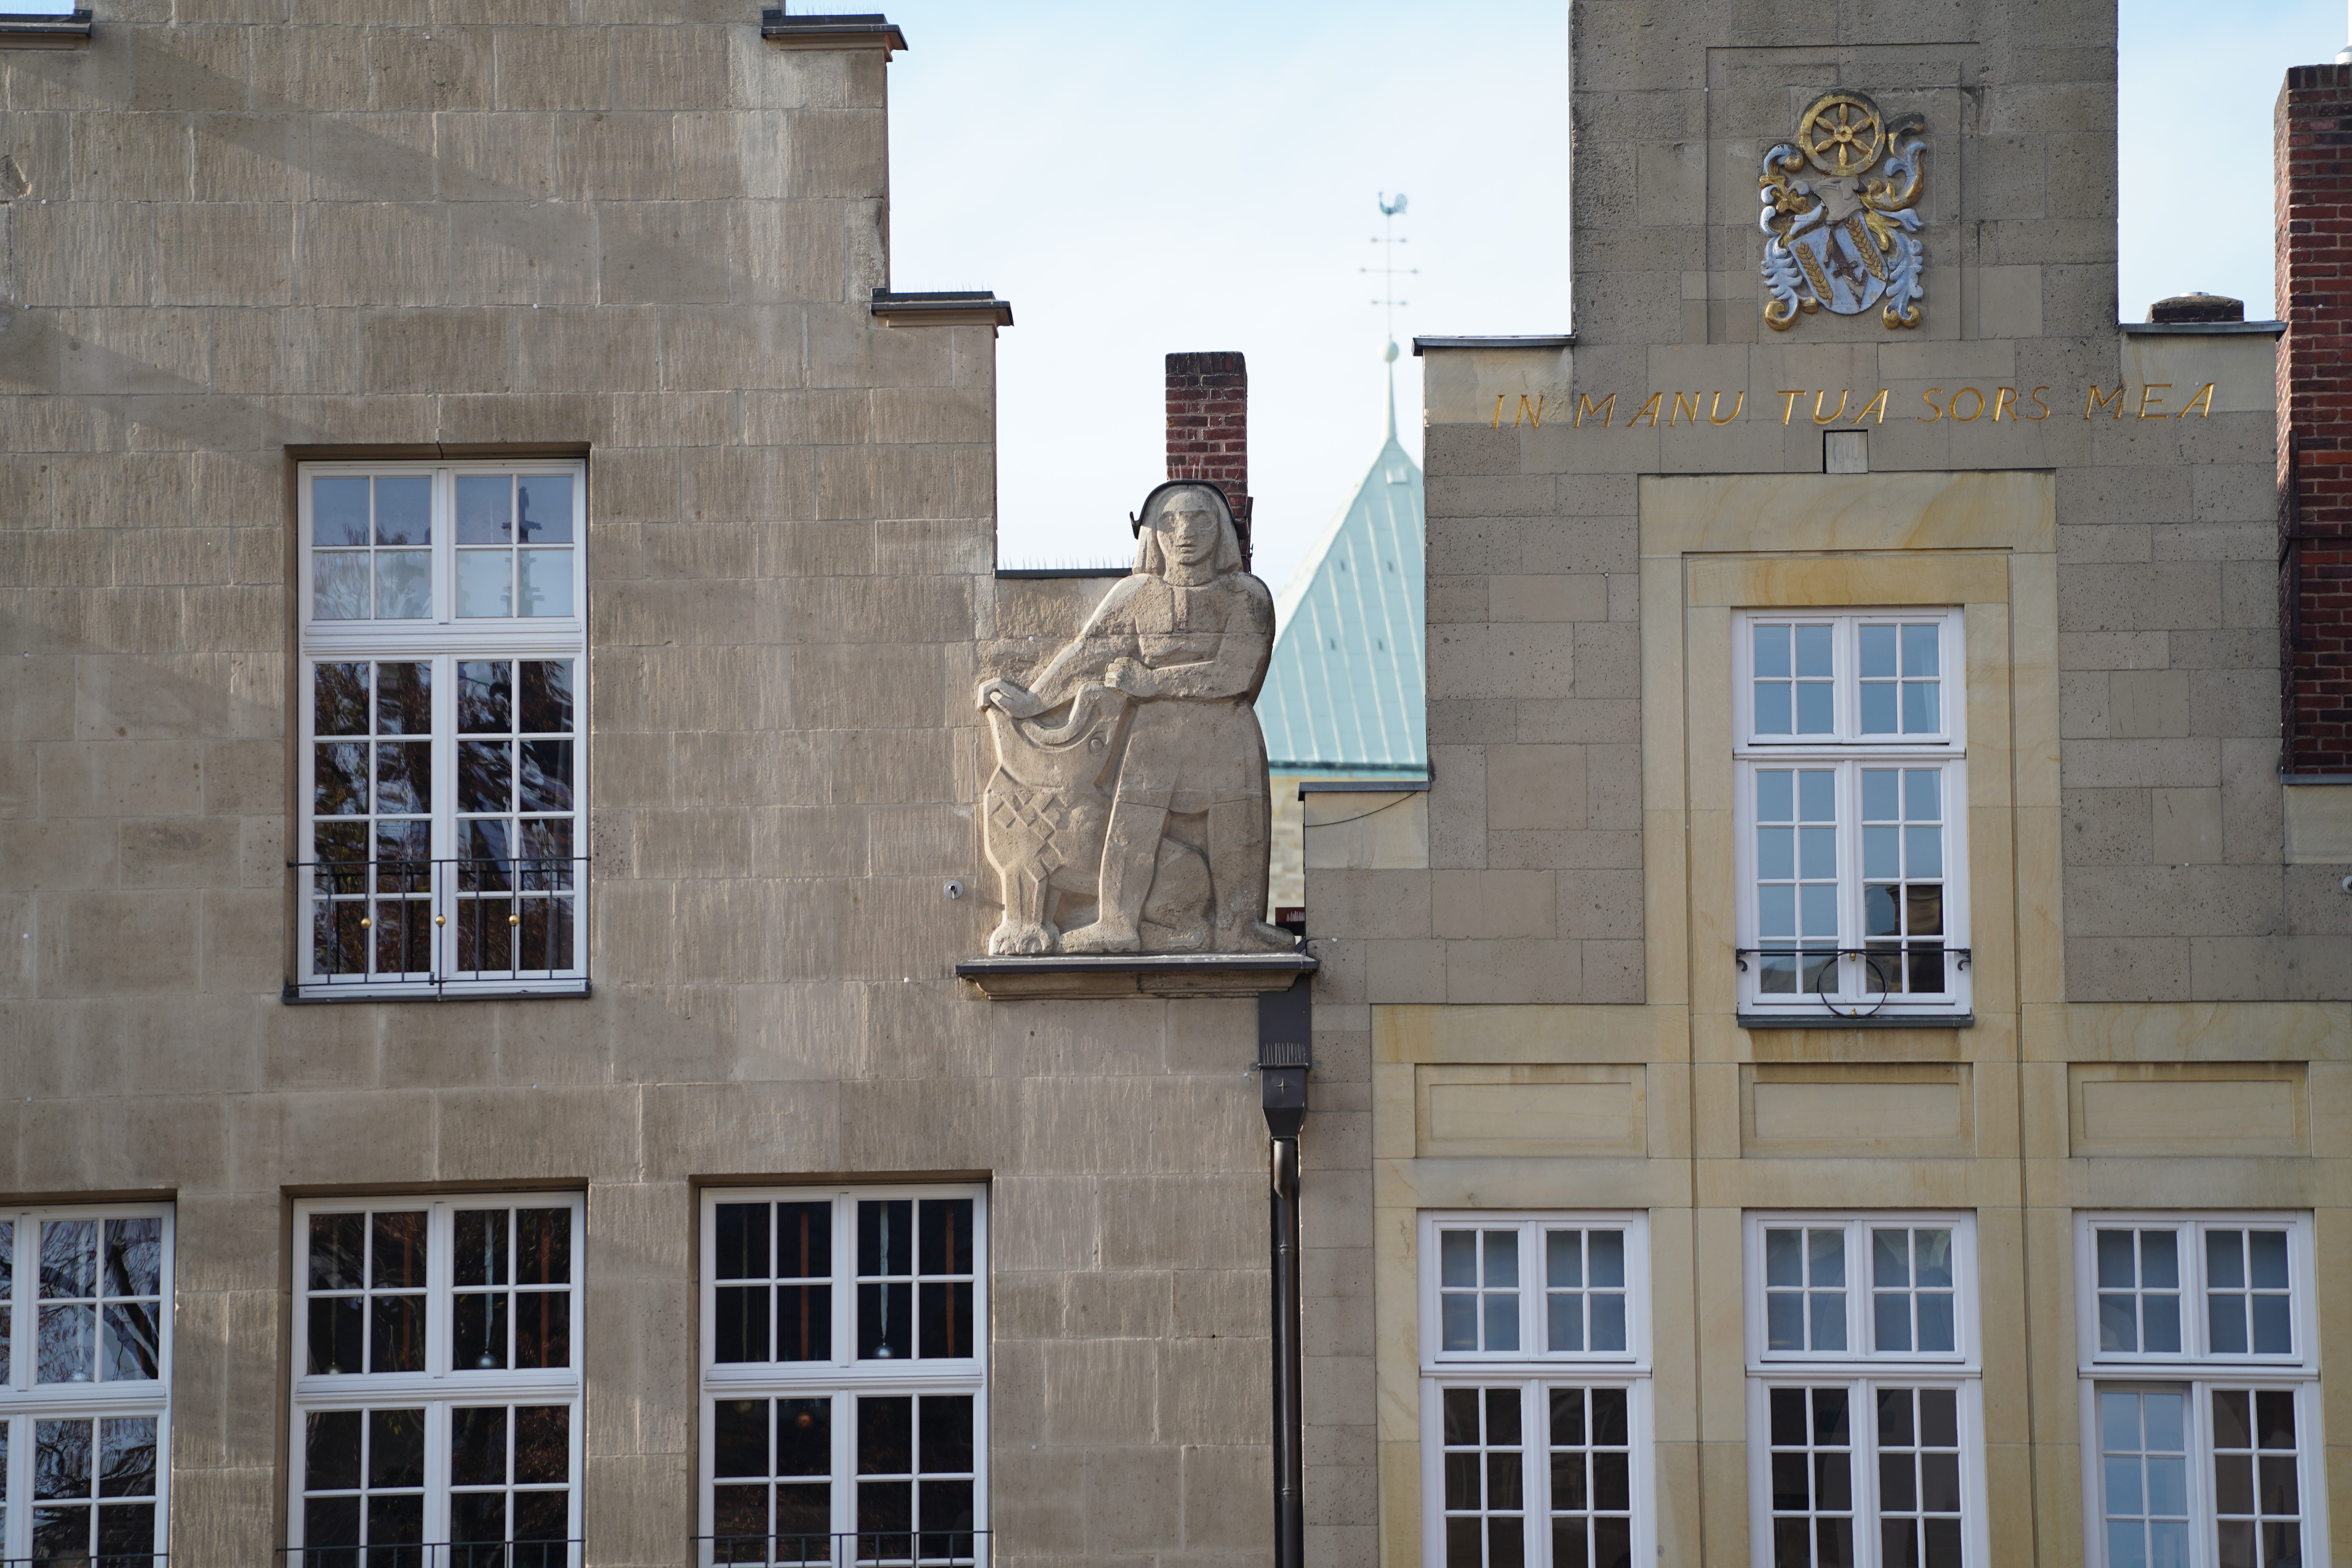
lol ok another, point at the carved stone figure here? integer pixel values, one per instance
(1131, 773)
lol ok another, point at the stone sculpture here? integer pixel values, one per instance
(1131, 773)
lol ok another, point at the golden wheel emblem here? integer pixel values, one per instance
(1841, 135)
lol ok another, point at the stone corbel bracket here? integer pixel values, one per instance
(868, 31)
(1135, 974)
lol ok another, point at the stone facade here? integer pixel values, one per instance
(648, 241)
(1549, 979)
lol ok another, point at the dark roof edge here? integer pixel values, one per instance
(866, 30)
(1522, 340)
(2200, 329)
(948, 307)
(68, 31)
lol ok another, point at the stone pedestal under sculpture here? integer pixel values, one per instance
(1128, 810)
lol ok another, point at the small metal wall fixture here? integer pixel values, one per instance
(1839, 219)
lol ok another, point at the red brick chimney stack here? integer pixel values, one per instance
(2311, 129)
(1208, 426)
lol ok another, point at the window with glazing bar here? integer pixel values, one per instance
(844, 1377)
(1852, 813)
(437, 1383)
(1535, 1401)
(2201, 1390)
(85, 1404)
(441, 752)
(1865, 1415)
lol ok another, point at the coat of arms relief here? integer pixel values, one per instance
(1841, 229)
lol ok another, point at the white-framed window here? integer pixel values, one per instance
(1535, 1390)
(1852, 844)
(85, 1404)
(1865, 1410)
(2201, 1390)
(443, 747)
(436, 1382)
(844, 1375)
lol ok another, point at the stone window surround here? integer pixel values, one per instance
(24, 1401)
(1947, 750)
(1712, 546)
(1533, 1372)
(444, 636)
(2201, 1374)
(1863, 1369)
(439, 1389)
(842, 1376)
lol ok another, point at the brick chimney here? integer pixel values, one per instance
(1208, 428)
(2312, 131)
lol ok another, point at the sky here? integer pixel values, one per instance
(1139, 180)
(1143, 180)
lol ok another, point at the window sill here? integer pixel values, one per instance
(1875, 1021)
(68, 31)
(427, 991)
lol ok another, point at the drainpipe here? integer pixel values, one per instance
(1284, 1025)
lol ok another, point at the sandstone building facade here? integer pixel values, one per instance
(1845, 1062)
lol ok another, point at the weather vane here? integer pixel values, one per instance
(1388, 270)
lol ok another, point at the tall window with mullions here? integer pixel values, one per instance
(1535, 1390)
(437, 1383)
(441, 700)
(85, 1383)
(1864, 1411)
(845, 1376)
(1851, 807)
(2200, 1389)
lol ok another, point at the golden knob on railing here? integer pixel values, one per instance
(440, 919)
(514, 920)
(365, 922)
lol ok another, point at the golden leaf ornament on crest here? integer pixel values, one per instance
(1839, 219)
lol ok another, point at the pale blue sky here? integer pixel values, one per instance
(1138, 180)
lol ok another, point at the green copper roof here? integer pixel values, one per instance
(1348, 689)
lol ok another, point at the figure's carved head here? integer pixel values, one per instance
(1187, 524)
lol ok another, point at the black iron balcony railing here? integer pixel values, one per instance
(81, 1557)
(857, 1548)
(436, 1554)
(1894, 970)
(436, 923)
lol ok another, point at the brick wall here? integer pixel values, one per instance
(1208, 426)
(2313, 130)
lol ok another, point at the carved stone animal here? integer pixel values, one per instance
(1047, 809)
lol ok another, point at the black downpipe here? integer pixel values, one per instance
(1285, 1022)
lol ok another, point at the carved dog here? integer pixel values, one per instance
(1046, 810)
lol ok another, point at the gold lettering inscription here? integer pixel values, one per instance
(1497, 424)
(1963, 407)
